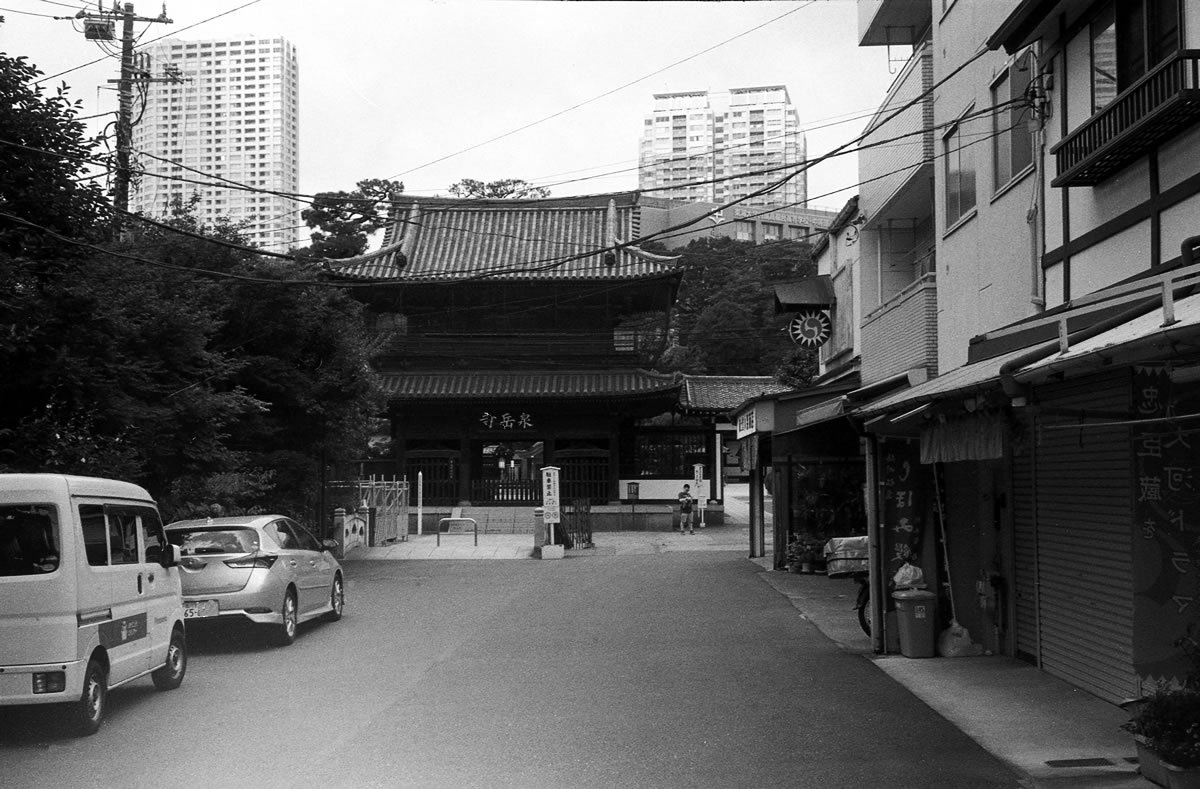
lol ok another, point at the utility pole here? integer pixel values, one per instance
(101, 26)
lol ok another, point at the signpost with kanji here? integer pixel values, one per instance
(698, 486)
(551, 513)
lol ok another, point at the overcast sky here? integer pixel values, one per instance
(432, 91)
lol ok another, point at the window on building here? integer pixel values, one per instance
(1012, 125)
(772, 231)
(959, 157)
(1129, 38)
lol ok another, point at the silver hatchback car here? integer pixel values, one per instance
(264, 568)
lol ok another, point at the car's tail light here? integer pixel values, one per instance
(50, 682)
(252, 562)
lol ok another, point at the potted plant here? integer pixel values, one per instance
(1166, 726)
(803, 552)
(1166, 731)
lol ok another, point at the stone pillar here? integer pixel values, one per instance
(339, 531)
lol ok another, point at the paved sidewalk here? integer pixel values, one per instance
(1048, 731)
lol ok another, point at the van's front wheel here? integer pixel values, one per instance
(93, 702)
(170, 676)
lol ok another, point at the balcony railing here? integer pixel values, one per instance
(901, 334)
(1152, 110)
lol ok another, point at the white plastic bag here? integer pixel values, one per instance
(908, 576)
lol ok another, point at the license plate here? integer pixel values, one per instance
(197, 609)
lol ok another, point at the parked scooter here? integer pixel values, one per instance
(847, 557)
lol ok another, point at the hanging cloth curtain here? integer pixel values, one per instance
(972, 437)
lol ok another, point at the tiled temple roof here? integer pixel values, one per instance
(557, 385)
(720, 393)
(443, 240)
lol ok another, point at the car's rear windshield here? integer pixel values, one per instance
(29, 539)
(201, 541)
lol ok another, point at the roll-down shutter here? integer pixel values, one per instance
(1083, 535)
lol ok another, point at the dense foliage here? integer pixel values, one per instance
(43, 160)
(505, 188)
(725, 315)
(344, 221)
(219, 380)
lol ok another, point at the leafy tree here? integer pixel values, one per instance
(798, 368)
(43, 161)
(725, 314)
(206, 373)
(344, 221)
(505, 188)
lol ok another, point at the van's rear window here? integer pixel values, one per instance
(29, 539)
(209, 541)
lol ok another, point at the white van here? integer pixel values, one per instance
(89, 593)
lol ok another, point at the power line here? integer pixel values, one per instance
(771, 187)
(547, 263)
(602, 95)
(32, 13)
(177, 31)
(535, 266)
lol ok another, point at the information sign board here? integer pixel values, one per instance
(551, 513)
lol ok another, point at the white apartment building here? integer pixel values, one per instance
(718, 146)
(231, 118)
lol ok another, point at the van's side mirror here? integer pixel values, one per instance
(170, 556)
(330, 545)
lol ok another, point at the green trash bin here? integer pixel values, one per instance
(916, 614)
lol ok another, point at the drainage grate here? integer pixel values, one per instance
(1079, 762)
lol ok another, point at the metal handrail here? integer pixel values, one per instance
(447, 521)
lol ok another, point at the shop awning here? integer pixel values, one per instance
(826, 411)
(965, 380)
(1142, 339)
(812, 292)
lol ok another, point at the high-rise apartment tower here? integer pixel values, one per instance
(717, 146)
(234, 117)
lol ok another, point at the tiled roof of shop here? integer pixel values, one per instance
(581, 384)
(726, 392)
(441, 240)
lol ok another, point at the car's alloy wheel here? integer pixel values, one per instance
(286, 633)
(93, 701)
(170, 676)
(337, 599)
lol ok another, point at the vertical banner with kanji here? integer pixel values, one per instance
(551, 513)
(902, 480)
(1166, 545)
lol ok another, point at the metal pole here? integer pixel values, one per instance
(875, 560)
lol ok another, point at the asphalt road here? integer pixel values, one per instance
(667, 670)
